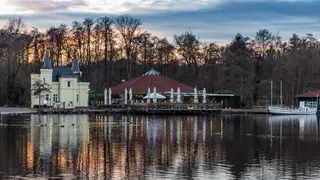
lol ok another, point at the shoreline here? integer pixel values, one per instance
(24, 111)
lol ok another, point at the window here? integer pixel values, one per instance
(77, 98)
(44, 80)
(68, 83)
(55, 98)
(47, 97)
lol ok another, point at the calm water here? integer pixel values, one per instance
(160, 147)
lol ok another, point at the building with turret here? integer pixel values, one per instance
(67, 89)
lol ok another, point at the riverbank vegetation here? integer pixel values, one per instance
(112, 49)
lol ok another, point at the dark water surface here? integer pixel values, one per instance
(159, 147)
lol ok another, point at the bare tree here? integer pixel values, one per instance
(262, 42)
(78, 32)
(60, 38)
(12, 42)
(88, 24)
(105, 24)
(36, 35)
(188, 47)
(127, 27)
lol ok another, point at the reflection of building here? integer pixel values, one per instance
(57, 144)
(66, 85)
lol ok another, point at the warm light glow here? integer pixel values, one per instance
(30, 157)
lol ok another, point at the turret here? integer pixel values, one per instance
(46, 70)
(46, 64)
(75, 68)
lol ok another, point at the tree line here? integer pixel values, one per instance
(112, 49)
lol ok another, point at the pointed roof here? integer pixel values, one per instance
(152, 72)
(75, 64)
(150, 80)
(47, 64)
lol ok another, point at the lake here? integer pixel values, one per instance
(159, 147)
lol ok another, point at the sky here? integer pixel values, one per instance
(211, 20)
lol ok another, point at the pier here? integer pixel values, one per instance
(140, 108)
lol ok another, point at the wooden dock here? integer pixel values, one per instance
(142, 108)
(176, 108)
(245, 111)
(85, 111)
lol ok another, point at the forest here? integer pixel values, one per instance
(110, 49)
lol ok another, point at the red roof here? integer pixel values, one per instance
(150, 80)
(309, 94)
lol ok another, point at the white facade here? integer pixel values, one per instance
(66, 90)
(67, 93)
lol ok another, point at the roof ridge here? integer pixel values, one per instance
(137, 79)
(181, 84)
(150, 79)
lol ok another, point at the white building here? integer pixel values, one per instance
(67, 90)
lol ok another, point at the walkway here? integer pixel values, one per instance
(16, 110)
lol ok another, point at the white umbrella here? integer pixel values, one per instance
(130, 94)
(154, 95)
(178, 96)
(105, 96)
(195, 100)
(125, 95)
(148, 100)
(110, 96)
(204, 98)
(171, 96)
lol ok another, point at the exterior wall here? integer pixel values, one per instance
(83, 94)
(46, 74)
(68, 94)
(54, 91)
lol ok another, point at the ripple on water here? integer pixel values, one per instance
(159, 147)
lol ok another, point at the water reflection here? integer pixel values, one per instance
(169, 147)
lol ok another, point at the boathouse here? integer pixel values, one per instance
(308, 98)
(151, 79)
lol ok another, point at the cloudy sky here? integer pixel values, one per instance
(212, 20)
